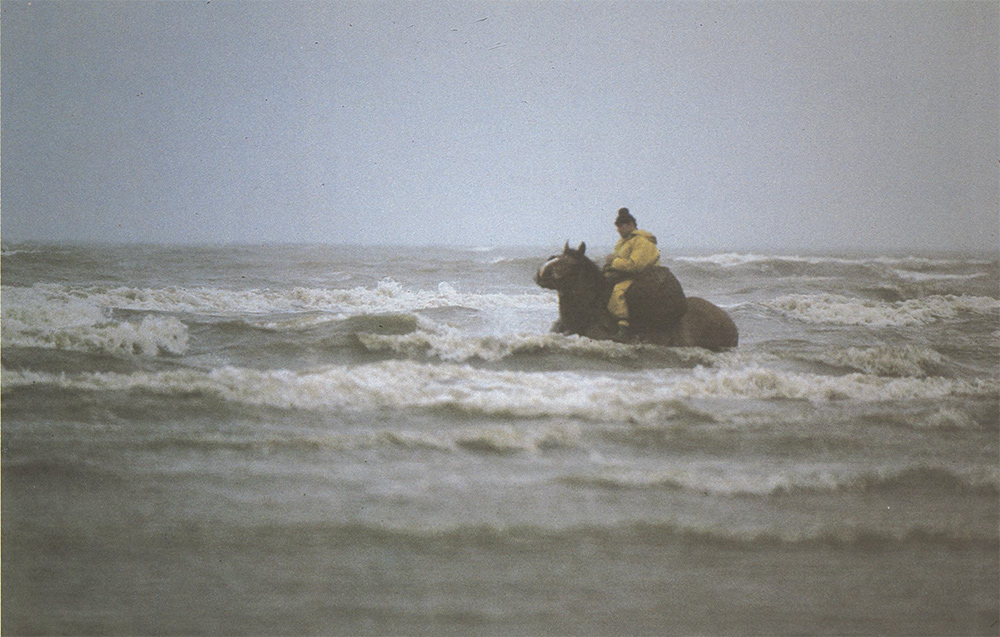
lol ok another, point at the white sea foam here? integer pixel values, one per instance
(35, 317)
(946, 418)
(729, 479)
(909, 360)
(491, 440)
(451, 345)
(842, 310)
(405, 385)
(387, 297)
(46, 307)
(62, 317)
(153, 335)
(9, 252)
(936, 276)
(730, 259)
(764, 383)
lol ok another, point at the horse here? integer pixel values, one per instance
(584, 291)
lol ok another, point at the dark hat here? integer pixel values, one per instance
(624, 216)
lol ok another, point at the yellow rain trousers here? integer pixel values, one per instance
(633, 254)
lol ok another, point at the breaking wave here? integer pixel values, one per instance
(32, 319)
(91, 319)
(733, 482)
(489, 440)
(452, 346)
(842, 310)
(387, 297)
(518, 538)
(733, 259)
(406, 385)
(896, 361)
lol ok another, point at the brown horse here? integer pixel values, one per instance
(583, 307)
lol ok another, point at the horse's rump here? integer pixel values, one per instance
(705, 325)
(655, 299)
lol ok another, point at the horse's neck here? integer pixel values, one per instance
(584, 302)
(573, 313)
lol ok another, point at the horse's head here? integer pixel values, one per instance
(562, 268)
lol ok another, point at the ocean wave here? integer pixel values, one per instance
(769, 384)
(86, 319)
(397, 385)
(952, 419)
(499, 440)
(520, 538)
(896, 361)
(407, 385)
(391, 296)
(388, 296)
(451, 345)
(725, 480)
(10, 252)
(296, 326)
(842, 310)
(733, 259)
(844, 536)
(502, 440)
(33, 318)
(936, 276)
(532, 261)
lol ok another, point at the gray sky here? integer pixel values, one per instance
(723, 126)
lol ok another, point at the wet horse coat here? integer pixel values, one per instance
(667, 318)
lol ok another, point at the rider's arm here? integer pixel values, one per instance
(643, 254)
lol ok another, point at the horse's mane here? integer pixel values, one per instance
(590, 276)
(590, 269)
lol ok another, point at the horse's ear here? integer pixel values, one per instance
(582, 249)
(566, 247)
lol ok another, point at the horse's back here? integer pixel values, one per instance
(706, 325)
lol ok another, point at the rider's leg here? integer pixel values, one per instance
(618, 307)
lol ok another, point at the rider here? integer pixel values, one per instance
(634, 252)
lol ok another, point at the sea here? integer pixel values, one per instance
(351, 440)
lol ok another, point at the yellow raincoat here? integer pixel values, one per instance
(633, 254)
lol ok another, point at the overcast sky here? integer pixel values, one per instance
(724, 126)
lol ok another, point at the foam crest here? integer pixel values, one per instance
(730, 259)
(507, 538)
(388, 296)
(509, 439)
(841, 310)
(906, 361)
(450, 345)
(33, 317)
(714, 480)
(499, 440)
(947, 419)
(763, 383)
(10, 252)
(911, 275)
(406, 385)
(729, 481)
(45, 307)
(391, 296)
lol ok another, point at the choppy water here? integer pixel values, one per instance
(329, 440)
